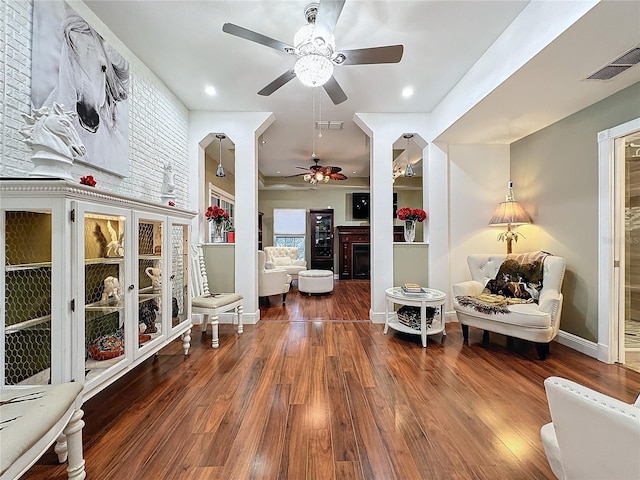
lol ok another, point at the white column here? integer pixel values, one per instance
(384, 129)
(437, 198)
(243, 129)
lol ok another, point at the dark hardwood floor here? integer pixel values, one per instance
(332, 399)
(350, 300)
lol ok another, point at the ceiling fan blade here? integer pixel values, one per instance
(335, 92)
(296, 175)
(364, 56)
(277, 83)
(256, 37)
(331, 170)
(327, 17)
(337, 176)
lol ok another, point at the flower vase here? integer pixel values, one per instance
(409, 230)
(218, 233)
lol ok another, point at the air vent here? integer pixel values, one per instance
(329, 124)
(619, 65)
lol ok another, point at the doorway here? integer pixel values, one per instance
(628, 154)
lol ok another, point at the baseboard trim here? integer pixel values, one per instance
(377, 317)
(578, 343)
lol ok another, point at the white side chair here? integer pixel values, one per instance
(286, 258)
(206, 306)
(591, 436)
(274, 281)
(32, 418)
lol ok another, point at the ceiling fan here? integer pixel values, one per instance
(314, 47)
(317, 173)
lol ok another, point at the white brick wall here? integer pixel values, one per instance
(158, 121)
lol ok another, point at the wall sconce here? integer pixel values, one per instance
(509, 213)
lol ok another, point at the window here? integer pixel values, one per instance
(222, 199)
(290, 228)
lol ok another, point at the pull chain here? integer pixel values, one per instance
(313, 115)
(320, 117)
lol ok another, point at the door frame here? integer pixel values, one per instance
(611, 240)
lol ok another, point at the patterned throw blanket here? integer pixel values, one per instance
(519, 280)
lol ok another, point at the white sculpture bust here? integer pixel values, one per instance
(168, 184)
(55, 143)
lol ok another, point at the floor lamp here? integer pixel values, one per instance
(509, 213)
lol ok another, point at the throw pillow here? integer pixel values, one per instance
(282, 261)
(268, 265)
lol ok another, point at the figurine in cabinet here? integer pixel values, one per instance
(116, 245)
(147, 316)
(155, 274)
(111, 292)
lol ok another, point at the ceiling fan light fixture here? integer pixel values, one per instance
(302, 39)
(313, 70)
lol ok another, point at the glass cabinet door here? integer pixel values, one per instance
(27, 297)
(323, 235)
(105, 283)
(321, 239)
(179, 274)
(151, 279)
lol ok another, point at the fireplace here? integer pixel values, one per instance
(361, 263)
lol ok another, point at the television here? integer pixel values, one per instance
(360, 205)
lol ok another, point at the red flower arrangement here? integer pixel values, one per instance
(172, 204)
(88, 180)
(216, 214)
(415, 214)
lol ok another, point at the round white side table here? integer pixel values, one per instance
(428, 298)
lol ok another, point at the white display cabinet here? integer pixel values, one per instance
(93, 282)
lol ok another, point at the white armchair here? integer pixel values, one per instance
(592, 436)
(286, 258)
(536, 322)
(274, 281)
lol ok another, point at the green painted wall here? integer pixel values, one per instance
(555, 171)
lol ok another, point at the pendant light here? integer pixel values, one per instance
(220, 172)
(409, 170)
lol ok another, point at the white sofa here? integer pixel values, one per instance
(536, 322)
(273, 281)
(287, 259)
(591, 436)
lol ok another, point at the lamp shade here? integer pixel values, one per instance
(509, 213)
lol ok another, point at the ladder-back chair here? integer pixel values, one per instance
(206, 306)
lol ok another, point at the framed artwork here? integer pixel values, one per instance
(74, 66)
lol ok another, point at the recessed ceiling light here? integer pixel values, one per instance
(278, 171)
(354, 172)
(407, 92)
(210, 90)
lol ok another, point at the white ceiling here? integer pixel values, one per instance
(183, 44)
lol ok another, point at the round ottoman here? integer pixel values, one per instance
(315, 281)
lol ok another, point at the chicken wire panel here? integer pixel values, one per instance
(179, 265)
(150, 279)
(27, 297)
(149, 237)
